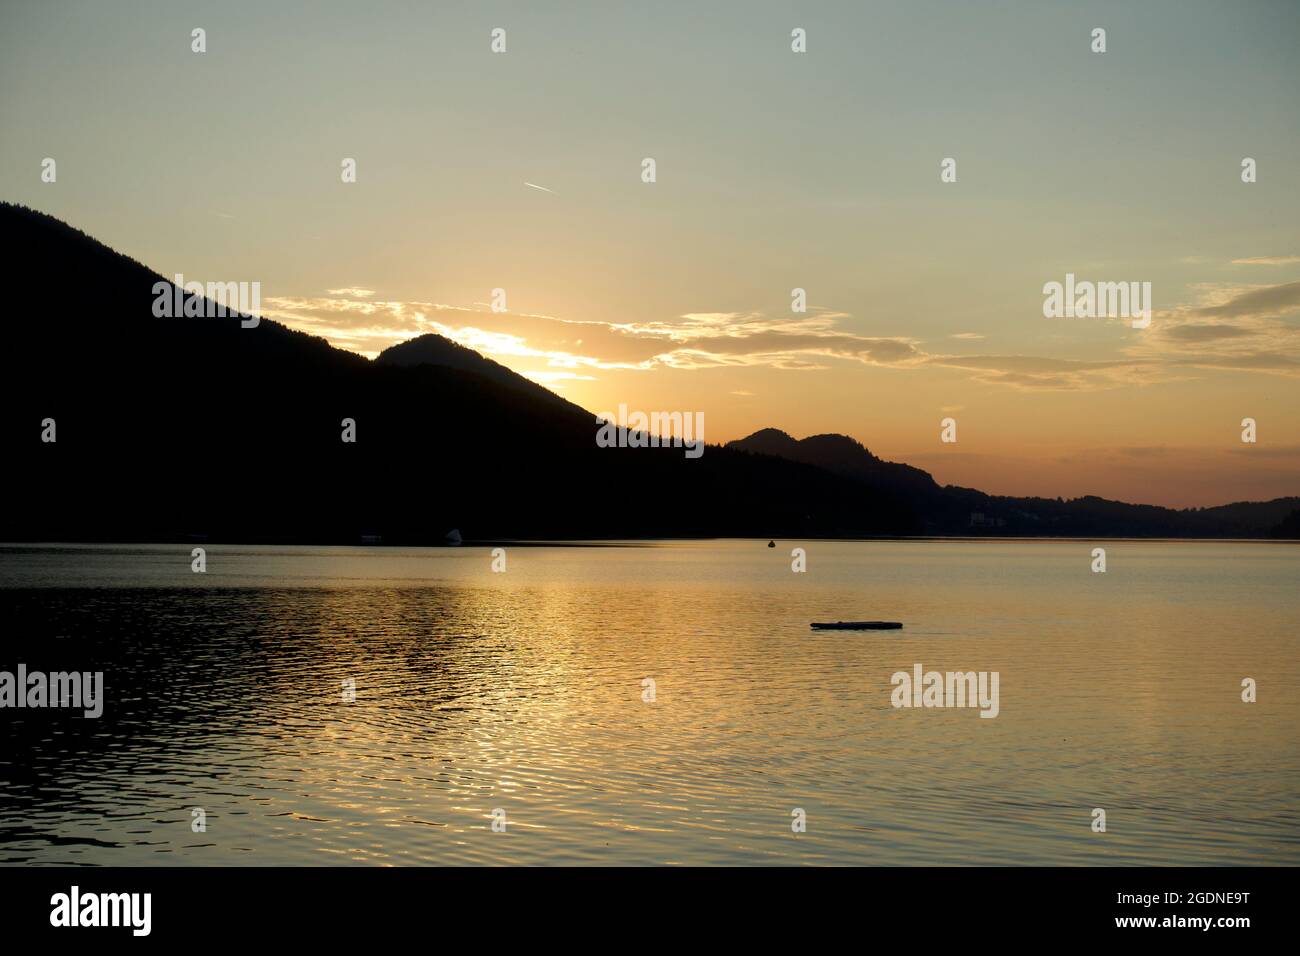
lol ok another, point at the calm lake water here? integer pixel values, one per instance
(522, 691)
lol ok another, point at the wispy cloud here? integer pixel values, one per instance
(1255, 302)
(556, 380)
(1237, 328)
(1267, 261)
(1037, 373)
(1242, 328)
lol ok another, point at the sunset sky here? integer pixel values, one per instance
(775, 170)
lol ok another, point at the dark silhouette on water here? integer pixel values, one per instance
(197, 428)
(857, 626)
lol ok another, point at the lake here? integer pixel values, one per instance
(376, 705)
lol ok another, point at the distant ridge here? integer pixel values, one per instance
(839, 454)
(968, 512)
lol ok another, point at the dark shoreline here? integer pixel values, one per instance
(645, 542)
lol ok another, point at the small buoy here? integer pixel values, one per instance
(771, 544)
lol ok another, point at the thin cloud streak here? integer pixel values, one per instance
(1267, 261)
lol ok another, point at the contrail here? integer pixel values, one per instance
(542, 188)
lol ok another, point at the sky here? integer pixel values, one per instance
(774, 170)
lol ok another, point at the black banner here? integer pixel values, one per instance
(212, 905)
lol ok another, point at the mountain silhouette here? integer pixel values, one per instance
(437, 351)
(175, 428)
(838, 454)
(951, 509)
